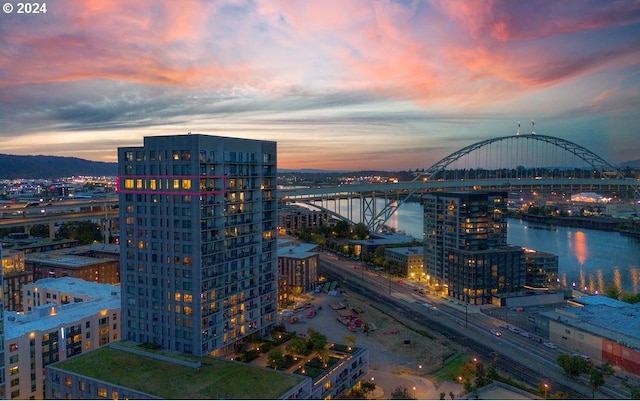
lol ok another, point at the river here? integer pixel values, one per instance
(589, 259)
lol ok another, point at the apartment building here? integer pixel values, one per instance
(67, 317)
(198, 253)
(465, 246)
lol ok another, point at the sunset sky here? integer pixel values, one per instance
(338, 84)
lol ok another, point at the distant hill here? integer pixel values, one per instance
(13, 166)
(631, 164)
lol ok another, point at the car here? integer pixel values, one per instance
(536, 339)
(550, 345)
(583, 356)
(504, 326)
(495, 332)
(514, 329)
(525, 334)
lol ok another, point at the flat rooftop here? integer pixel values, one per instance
(214, 379)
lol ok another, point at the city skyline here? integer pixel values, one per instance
(353, 85)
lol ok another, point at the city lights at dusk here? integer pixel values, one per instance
(338, 84)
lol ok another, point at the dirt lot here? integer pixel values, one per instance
(395, 342)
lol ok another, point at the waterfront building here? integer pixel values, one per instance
(410, 260)
(198, 241)
(66, 317)
(293, 218)
(298, 271)
(466, 254)
(376, 240)
(542, 269)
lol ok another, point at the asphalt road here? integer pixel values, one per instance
(519, 356)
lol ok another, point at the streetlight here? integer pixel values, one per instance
(414, 392)
(546, 386)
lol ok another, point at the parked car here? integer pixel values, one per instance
(550, 345)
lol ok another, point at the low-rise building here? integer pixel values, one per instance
(292, 218)
(297, 271)
(56, 330)
(100, 270)
(15, 277)
(602, 328)
(541, 268)
(410, 259)
(125, 371)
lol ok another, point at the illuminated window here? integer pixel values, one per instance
(68, 381)
(176, 184)
(14, 370)
(114, 395)
(177, 296)
(128, 183)
(102, 392)
(187, 310)
(188, 298)
(186, 184)
(152, 184)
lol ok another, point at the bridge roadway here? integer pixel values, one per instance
(317, 193)
(395, 193)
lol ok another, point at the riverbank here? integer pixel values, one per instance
(602, 223)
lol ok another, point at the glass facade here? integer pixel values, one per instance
(465, 242)
(198, 241)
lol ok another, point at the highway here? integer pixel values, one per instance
(515, 355)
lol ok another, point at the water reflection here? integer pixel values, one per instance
(608, 256)
(580, 245)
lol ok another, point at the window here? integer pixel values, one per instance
(102, 392)
(13, 359)
(68, 381)
(13, 347)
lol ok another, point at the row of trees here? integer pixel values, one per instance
(575, 365)
(86, 231)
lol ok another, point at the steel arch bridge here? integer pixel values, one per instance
(395, 195)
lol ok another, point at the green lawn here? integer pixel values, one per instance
(215, 379)
(449, 372)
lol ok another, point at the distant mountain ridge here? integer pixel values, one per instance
(16, 166)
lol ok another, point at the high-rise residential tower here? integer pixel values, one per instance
(197, 241)
(465, 242)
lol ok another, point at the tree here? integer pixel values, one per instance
(349, 339)
(297, 346)
(84, 231)
(276, 359)
(39, 230)
(596, 379)
(451, 395)
(442, 394)
(574, 365)
(611, 291)
(360, 231)
(367, 387)
(401, 393)
(317, 340)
